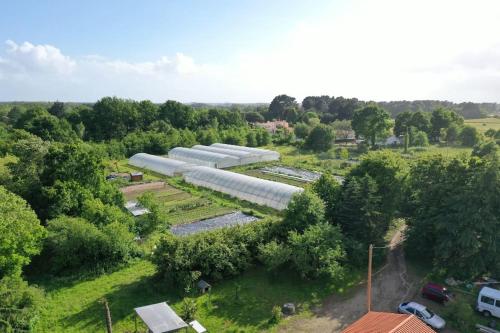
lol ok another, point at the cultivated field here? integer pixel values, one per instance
(484, 124)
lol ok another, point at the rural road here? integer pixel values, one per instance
(391, 285)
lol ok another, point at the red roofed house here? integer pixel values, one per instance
(383, 322)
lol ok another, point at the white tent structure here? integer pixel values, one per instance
(160, 318)
(161, 165)
(256, 190)
(265, 154)
(204, 158)
(245, 157)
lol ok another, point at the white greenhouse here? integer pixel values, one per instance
(162, 165)
(244, 156)
(256, 190)
(204, 158)
(265, 154)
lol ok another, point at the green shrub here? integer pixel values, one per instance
(276, 314)
(19, 305)
(274, 255)
(214, 255)
(75, 243)
(188, 309)
(460, 315)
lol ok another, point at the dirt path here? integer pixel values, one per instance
(391, 285)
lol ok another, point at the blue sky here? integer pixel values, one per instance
(249, 51)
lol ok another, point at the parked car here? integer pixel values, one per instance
(436, 292)
(424, 314)
(488, 302)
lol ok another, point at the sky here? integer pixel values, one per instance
(249, 51)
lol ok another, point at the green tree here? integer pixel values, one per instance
(274, 255)
(328, 189)
(452, 214)
(21, 234)
(442, 119)
(301, 130)
(420, 139)
(303, 210)
(470, 136)
(453, 133)
(321, 138)
(318, 251)
(76, 244)
(388, 170)
(156, 217)
(283, 107)
(20, 305)
(371, 122)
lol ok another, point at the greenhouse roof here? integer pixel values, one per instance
(162, 165)
(260, 191)
(231, 152)
(199, 154)
(247, 149)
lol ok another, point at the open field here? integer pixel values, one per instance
(73, 306)
(484, 124)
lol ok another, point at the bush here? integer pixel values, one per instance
(274, 255)
(276, 315)
(188, 309)
(75, 243)
(214, 255)
(19, 305)
(318, 251)
(420, 139)
(343, 153)
(460, 315)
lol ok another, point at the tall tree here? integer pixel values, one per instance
(283, 107)
(371, 122)
(321, 138)
(21, 234)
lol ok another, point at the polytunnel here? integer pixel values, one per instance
(162, 165)
(204, 158)
(264, 154)
(256, 190)
(244, 156)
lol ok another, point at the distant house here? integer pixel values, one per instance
(273, 126)
(393, 141)
(383, 322)
(345, 136)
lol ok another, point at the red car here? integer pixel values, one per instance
(436, 292)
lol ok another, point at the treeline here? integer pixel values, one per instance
(125, 127)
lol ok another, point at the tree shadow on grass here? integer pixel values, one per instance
(259, 292)
(122, 300)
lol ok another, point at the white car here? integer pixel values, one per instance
(424, 314)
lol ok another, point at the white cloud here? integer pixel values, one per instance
(37, 58)
(380, 50)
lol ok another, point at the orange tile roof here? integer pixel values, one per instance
(383, 322)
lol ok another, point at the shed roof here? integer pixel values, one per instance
(383, 322)
(160, 318)
(203, 284)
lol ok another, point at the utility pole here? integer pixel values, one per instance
(369, 284)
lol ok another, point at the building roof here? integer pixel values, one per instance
(162, 165)
(160, 318)
(202, 284)
(383, 322)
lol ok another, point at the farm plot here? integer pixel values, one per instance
(179, 206)
(484, 124)
(292, 173)
(228, 220)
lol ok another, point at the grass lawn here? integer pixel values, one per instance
(484, 124)
(73, 306)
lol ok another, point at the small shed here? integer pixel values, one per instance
(136, 176)
(204, 286)
(160, 318)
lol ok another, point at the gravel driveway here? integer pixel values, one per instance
(391, 285)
